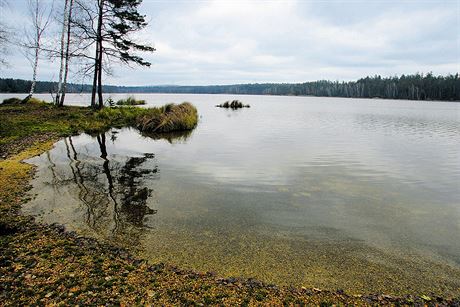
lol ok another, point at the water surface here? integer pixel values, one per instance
(357, 194)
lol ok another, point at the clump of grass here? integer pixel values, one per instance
(33, 100)
(13, 100)
(130, 101)
(172, 118)
(235, 104)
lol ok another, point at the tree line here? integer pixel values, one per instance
(413, 87)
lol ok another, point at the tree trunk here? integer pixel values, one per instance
(34, 76)
(61, 69)
(96, 70)
(99, 76)
(67, 57)
(98, 58)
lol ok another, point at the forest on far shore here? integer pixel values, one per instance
(413, 87)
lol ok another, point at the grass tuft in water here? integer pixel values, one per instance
(130, 101)
(172, 118)
(235, 104)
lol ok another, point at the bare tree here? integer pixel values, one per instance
(4, 34)
(40, 16)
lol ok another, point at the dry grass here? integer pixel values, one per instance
(172, 118)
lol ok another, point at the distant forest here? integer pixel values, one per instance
(413, 87)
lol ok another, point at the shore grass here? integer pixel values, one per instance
(130, 101)
(47, 265)
(18, 121)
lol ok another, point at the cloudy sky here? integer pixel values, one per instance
(243, 41)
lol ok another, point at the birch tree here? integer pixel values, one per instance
(64, 52)
(40, 17)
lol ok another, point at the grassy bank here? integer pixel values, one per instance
(21, 122)
(46, 265)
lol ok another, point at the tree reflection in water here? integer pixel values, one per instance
(114, 192)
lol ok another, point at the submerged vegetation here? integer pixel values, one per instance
(130, 101)
(235, 104)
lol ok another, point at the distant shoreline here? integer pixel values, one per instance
(9, 95)
(406, 87)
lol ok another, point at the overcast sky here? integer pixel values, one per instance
(236, 41)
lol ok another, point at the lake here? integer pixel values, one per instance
(354, 194)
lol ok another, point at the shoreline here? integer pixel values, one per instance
(45, 264)
(229, 94)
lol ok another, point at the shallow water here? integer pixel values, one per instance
(357, 194)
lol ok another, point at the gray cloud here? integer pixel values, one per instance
(221, 42)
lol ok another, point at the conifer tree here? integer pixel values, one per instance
(107, 26)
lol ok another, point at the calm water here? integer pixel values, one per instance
(362, 195)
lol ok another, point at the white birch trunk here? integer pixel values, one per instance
(34, 76)
(61, 69)
(67, 57)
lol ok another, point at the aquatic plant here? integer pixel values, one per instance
(235, 104)
(172, 118)
(130, 101)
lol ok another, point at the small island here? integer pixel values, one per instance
(235, 104)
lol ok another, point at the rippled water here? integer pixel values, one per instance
(362, 194)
